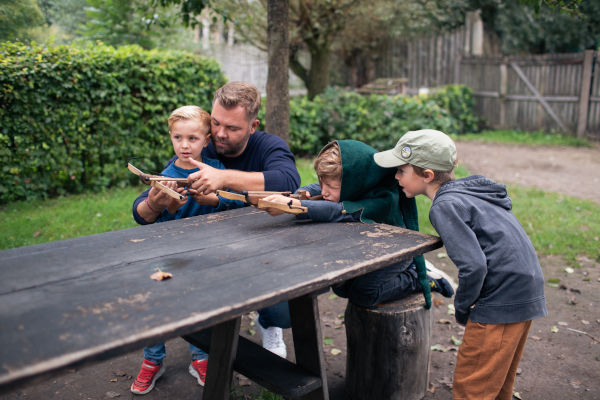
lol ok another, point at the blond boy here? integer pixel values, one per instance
(189, 130)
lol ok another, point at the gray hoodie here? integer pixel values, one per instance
(499, 276)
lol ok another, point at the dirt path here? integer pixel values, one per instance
(562, 355)
(568, 170)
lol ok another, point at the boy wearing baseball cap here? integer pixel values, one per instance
(501, 287)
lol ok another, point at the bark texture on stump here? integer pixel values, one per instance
(388, 350)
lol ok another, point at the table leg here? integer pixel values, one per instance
(306, 331)
(223, 349)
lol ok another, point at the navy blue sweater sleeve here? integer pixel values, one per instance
(279, 165)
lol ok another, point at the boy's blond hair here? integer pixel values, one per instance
(194, 113)
(243, 94)
(328, 164)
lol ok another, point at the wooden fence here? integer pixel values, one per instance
(553, 92)
(556, 92)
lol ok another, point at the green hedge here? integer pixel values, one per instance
(378, 120)
(70, 116)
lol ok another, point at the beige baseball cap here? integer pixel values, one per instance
(425, 148)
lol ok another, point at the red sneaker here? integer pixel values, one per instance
(198, 370)
(148, 375)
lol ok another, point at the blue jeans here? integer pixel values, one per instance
(387, 284)
(277, 315)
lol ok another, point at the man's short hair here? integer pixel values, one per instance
(190, 113)
(328, 164)
(243, 94)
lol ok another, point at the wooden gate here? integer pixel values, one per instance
(557, 92)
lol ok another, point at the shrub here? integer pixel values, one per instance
(378, 120)
(71, 116)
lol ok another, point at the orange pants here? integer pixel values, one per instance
(488, 359)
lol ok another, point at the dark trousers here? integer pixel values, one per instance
(387, 284)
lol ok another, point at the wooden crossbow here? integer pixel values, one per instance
(154, 181)
(256, 198)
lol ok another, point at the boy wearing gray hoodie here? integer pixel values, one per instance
(501, 287)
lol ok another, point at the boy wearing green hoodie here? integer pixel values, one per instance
(355, 189)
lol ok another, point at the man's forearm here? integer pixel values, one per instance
(241, 180)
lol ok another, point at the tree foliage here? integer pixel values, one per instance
(118, 22)
(535, 26)
(17, 17)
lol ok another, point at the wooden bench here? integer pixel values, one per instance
(76, 301)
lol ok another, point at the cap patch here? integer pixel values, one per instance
(405, 152)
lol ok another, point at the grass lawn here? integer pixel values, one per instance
(524, 138)
(556, 230)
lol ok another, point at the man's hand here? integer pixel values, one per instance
(277, 198)
(208, 179)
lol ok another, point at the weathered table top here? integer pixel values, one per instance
(92, 298)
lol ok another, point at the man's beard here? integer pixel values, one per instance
(231, 151)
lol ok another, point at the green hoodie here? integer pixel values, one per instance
(374, 190)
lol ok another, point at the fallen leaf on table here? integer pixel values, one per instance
(161, 275)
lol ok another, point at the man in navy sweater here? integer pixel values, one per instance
(254, 160)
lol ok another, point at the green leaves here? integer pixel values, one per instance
(71, 116)
(378, 120)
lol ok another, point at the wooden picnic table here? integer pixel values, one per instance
(91, 298)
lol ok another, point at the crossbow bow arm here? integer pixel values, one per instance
(154, 181)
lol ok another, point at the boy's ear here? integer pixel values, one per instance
(429, 175)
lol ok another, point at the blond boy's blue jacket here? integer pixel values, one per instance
(499, 276)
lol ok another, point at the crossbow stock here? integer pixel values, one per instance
(256, 198)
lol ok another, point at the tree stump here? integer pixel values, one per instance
(388, 350)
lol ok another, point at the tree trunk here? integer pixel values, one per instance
(388, 350)
(278, 93)
(318, 78)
